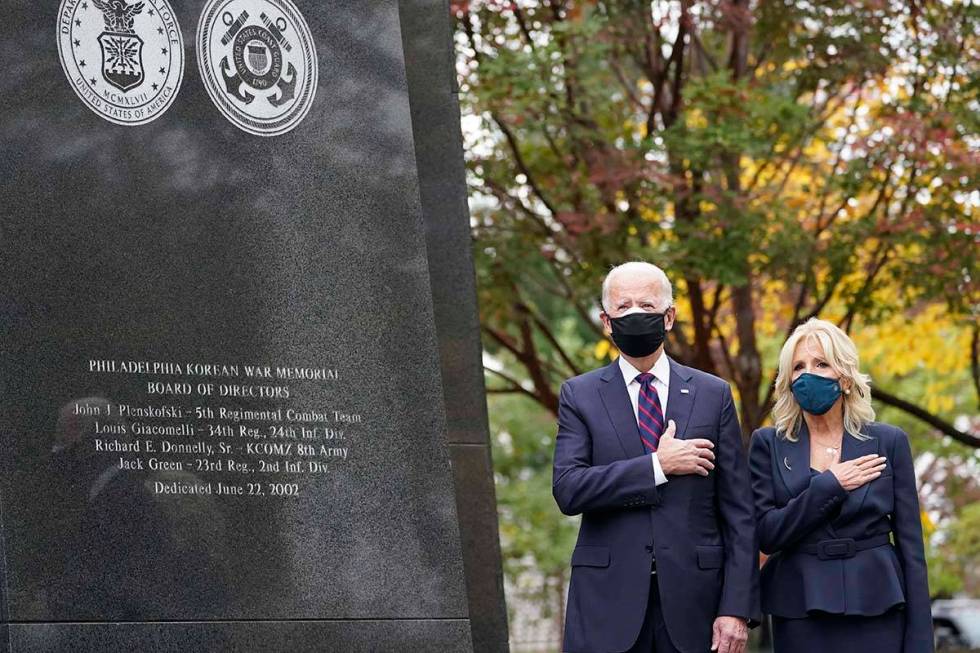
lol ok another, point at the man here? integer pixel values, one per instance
(649, 452)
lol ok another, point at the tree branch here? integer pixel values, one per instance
(771, 161)
(934, 421)
(704, 51)
(504, 342)
(715, 304)
(514, 386)
(733, 372)
(521, 164)
(677, 61)
(525, 356)
(863, 296)
(975, 359)
(569, 294)
(550, 337)
(681, 349)
(508, 200)
(522, 23)
(701, 321)
(535, 366)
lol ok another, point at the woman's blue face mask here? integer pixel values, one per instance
(814, 393)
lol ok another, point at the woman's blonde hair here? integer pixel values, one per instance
(841, 354)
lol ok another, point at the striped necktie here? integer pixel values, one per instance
(650, 417)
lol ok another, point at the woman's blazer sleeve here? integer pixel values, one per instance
(907, 528)
(781, 527)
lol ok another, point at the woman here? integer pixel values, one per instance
(837, 509)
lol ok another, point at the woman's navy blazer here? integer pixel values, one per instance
(840, 552)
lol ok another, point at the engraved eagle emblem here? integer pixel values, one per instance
(118, 15)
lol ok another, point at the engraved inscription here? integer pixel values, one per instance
(186, 419)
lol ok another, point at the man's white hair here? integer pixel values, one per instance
(638, 267)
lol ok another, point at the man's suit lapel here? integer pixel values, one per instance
(614, 397)
(680, 397)
(793, 461)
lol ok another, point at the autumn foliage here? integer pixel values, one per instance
(781, 160)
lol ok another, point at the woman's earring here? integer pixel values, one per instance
(847, 391)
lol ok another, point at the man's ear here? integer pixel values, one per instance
(604, 317)
(669, 318)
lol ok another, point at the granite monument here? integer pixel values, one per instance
(240, 366)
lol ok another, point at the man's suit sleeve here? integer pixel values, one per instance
(740, 593)
(578, 485)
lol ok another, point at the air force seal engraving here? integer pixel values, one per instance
(258, 63)
(124, 59)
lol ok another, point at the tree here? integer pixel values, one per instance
(781, 160)
(536, 541)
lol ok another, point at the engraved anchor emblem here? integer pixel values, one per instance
(256, 59)
(233, 83)
(287, 89)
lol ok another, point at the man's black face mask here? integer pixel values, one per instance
(638, 334)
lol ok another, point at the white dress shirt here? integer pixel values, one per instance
(661, 381)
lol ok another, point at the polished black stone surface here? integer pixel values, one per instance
(188, 241)
(423, 636)
(427, 33)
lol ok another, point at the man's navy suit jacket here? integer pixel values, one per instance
(797, 509)
(701, 529)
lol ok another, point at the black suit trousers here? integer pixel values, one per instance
(653, 637)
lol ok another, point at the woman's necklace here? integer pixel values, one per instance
(831, 451)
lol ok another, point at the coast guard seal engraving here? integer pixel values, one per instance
(124, 59)
(258, 63)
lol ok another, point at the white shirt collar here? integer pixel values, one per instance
(660, 369)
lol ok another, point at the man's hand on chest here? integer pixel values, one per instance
(677, 457)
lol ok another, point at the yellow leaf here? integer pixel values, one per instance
(602, 349)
